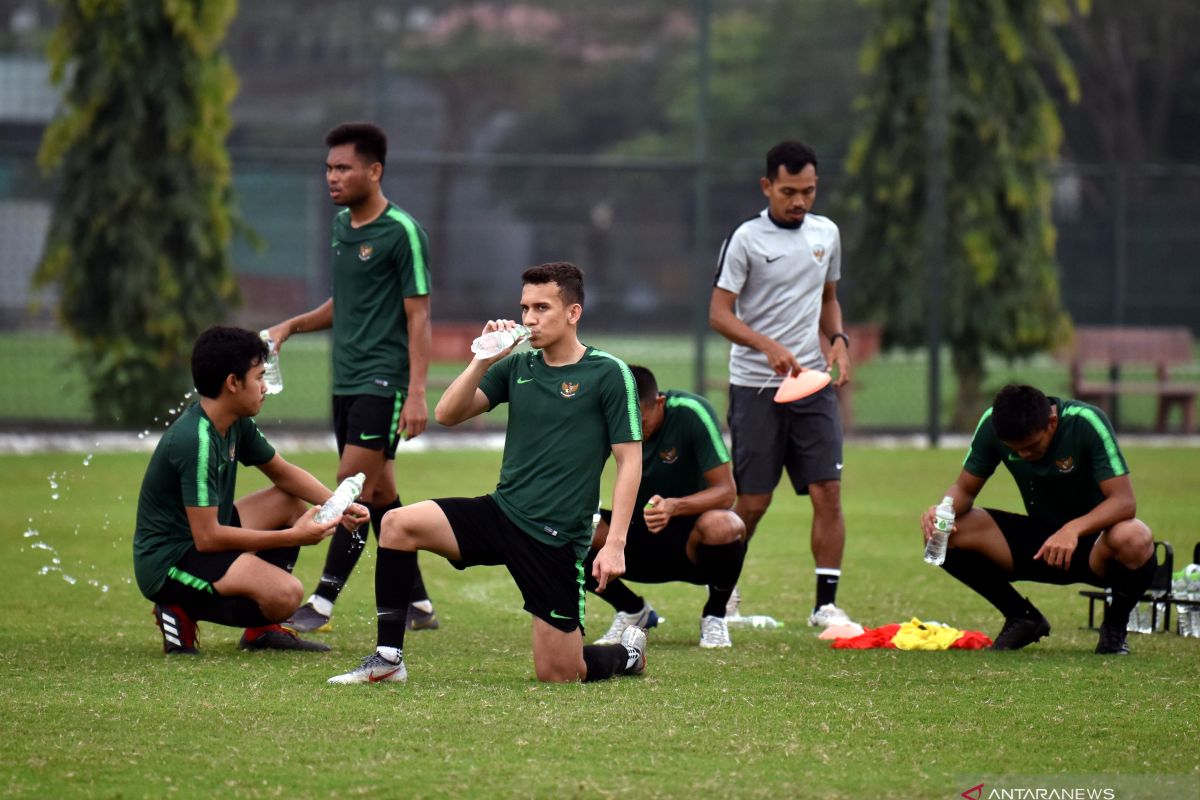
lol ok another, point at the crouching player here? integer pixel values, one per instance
(685, 529)
(1080, 525)
(569, 405)
(197, 554)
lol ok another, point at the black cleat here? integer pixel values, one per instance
(419, 620)
(1112, 641)
(307, 619)
(180, 634)
(1019, 632)
(276, 637)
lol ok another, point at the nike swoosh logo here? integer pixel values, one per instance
(383, 677)
(776, 258)
(524, 380)
(366, 437)
(557, 615)
(838, 465)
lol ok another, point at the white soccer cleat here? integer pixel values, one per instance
(374, 669)
(827, 615)
(714, 633)
(644, 619)
(634, 640)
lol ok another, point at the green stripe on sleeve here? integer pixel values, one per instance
(710, 424)
(420, 267)
(1106, 437)
(202, 463)
(979, 425)
(631, 400)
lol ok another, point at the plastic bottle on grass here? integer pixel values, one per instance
(495, 342)
(272, 377)
(346, 494)
(1189, 615)
(935, 548)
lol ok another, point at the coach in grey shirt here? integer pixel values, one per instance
(775, 299)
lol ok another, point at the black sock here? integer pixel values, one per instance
(418, 592)
(344, 550)
(393, 586)
(1128, 587)
(236, 612)
(827, 583)
(616, 594)
(604, 661)
(987, 579)
(721, 565)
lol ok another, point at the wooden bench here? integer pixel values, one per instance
(1116, 348)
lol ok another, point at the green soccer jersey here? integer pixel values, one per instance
(687, 444)
(1065, 483)
(374, 268)
(196, 466)
(562, 423)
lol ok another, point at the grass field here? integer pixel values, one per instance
(890, 390)
(91, 708)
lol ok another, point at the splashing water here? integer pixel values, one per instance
(30, 533)
(87, 460)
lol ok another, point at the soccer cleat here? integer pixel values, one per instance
(277, 637)
(645, 619)
(634, 640)
(1021, 631)
(180, 635)
(420, 620)
(827, 615)
(373, 669)
(733, 606)
(307, 619)
(714, 633)
(1112, 641)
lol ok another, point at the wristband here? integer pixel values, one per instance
(833, 338)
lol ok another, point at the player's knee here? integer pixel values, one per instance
(720, 527)
(283, 600)
(750, 508)
(394, 534)
(1131, 539)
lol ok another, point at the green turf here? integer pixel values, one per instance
(891, 391)
(92, 708)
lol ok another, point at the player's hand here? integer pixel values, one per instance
(356, 516)
(609, 564)
(658, 512)
(927, 522)
(500, 325)
(279, 334)
(839, 357)
(308, 531)
(1058, 549)
(414, 416)
(781, 359)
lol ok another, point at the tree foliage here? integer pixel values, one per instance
(141, 224)
(1001, 290)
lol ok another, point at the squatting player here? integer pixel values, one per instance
(569, 406)
(197, 554)
(1079, 525)
(687, 530)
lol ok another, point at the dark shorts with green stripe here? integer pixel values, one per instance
(367, 420)
(550, 578)
(193, 576)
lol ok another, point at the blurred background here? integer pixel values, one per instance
(627, 137)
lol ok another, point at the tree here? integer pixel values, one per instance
(141, 220)
(1001, 290)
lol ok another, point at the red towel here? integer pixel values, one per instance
(872, 638)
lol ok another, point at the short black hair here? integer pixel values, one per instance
(1019, 411)
(368, 139)
(220, 352)
(568, 277)
(647, 385)
(791, 154)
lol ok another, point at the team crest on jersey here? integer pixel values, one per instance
(365, 251)
(568, 389)
(819, 252)
(668, 456)
(1065, 465)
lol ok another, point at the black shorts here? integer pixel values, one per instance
(367, 420)
(804, 437)
(550, 578)
(659, 557)
(193, 575)
(1026, 535)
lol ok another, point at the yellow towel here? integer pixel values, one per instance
(917, 635)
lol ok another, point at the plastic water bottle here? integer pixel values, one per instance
(760, 621)
(272, 377)
(1189, 615)
(346, 493)
(935, 548)
(495, 342)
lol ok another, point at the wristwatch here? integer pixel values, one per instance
(834, 337)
